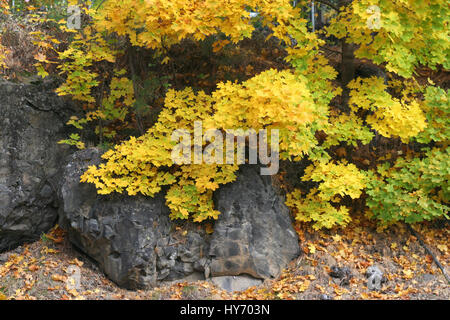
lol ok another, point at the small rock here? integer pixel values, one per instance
(338, 272)
(4, 257)
(342, 273)
(427, 277)
(253, 234)
(236, 283)
(325, 297)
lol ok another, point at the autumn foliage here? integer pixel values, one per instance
(336, 127)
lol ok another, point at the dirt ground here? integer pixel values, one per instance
(42, 270)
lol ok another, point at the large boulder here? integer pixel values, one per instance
(137, 245)
(132, 238)
(254, 233)
(32, 121)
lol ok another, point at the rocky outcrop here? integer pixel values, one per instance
(137, 245)
(32, 121)
(254, 233)
(132, 238)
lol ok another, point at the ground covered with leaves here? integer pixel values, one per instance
(42, 270)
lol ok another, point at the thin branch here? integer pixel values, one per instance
(415, 234)
(135, 89)
(331, 50)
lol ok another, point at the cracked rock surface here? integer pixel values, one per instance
(32, 121)
(137, 245)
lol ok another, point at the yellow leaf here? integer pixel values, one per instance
(165, 60)
(209, 229)
(58, 277)
(408, 274)
(76, 262)
(337, 238)
(442, 247)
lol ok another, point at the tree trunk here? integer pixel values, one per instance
(347, 67)
(347, 63)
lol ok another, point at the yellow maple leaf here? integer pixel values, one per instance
(408, 274)
(337, 238)
(312, 248)
(442, 247)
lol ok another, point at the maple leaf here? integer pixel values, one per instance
(58, 277)
(442, 247)
(312, 248)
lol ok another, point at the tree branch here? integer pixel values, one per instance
(331, 50)
(414, 233)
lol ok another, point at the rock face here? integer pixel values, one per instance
(32, 121)
(137, 245)
(254, 233)
(132, 238)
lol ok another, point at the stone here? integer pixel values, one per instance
(427, 277)
(131, 238)
(339, 272)
(235, 283)
(32, 121)
(136, 244)
(253, 234)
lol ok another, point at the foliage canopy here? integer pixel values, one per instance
(303, 100)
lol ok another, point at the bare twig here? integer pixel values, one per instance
(415, 234)
(331, 50)
(139, 121)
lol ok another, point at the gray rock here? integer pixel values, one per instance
(4, 257)
(427, 277)
(254, 233)
(236, 283)
(131, 238)
(341, 275)
(32, 121)
(138, 246)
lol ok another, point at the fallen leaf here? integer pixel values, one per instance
(76, 262)
(58, 277)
